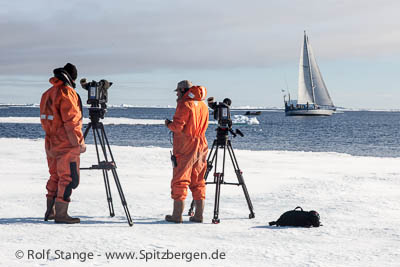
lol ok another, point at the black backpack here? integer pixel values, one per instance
(298, 218)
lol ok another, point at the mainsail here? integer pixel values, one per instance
(312, 88)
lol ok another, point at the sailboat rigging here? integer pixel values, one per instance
(313, 96)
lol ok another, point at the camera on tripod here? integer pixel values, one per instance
(222, 112)
(97, 92)
(97, 98)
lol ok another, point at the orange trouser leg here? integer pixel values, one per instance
(198, 184)
(52, 183)
(68, 173)
(181, 178)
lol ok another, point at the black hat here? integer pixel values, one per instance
(71, 70)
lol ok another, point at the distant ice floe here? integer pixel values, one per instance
(370, 110)
(252, 107)
(139, 106)
(109, 120)
(237, 119)
(33, 105)
(241, 119)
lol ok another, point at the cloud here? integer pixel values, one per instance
(128, 36)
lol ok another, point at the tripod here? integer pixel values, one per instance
(222, 141)
(100, 137)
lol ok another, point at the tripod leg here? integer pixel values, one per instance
(209, 168)
(96, 135)
(105, 171)
(191, 209)
(87, 130)
(122, 196)
(108, 193)
(218, 178)
(106, 145)
(210, 162)
(106, 166)
(239, 176)
(104, 136)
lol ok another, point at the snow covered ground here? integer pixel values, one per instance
(357, 197)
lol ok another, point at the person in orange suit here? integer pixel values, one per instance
(61, 119)
(190, 149)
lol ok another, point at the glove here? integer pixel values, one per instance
(82, 148)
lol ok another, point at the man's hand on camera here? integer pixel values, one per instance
(82, 148)
(167, 121)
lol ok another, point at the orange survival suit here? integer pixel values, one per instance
(61, 119)
(190, 146)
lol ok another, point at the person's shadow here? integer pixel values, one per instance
(40, 220)
(30, 220)
(84, 220)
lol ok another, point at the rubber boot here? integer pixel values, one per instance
(62, 214)
(198, 214)
(50, 209)
(176, 216)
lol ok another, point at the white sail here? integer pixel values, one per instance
(305, 94)
(312, 88)
(321, 95)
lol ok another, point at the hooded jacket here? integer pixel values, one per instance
(190, 122)
(61, 117)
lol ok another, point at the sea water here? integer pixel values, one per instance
(360, 133)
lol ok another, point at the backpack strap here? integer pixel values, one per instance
(298, 207)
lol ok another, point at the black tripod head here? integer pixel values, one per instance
(223, 134)
(96, 113)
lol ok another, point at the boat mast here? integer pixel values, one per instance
(287, 87)
(309, 67)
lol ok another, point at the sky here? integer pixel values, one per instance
(245, 50)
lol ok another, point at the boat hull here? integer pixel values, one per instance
(309, 112)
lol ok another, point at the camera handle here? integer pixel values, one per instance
(236, 132)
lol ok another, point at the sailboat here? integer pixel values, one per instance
(313, 97)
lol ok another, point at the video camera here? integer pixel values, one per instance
(222, 112)
(97, 92)
(97, 98)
